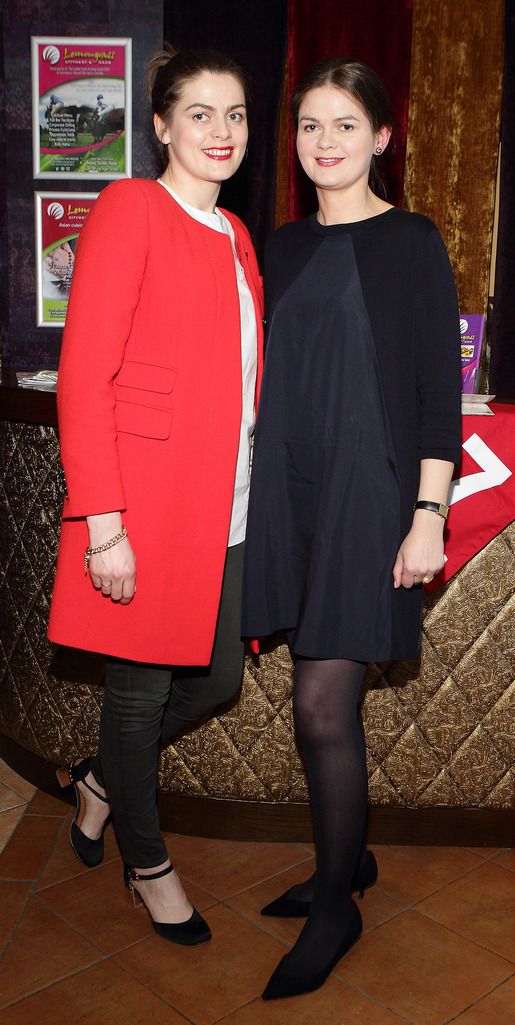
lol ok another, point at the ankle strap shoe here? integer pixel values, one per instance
(193, 931)
(89, 852)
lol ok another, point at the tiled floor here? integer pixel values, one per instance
(438, 943)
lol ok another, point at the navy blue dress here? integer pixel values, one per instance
(328, 494)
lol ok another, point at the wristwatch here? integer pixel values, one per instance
(436, 507)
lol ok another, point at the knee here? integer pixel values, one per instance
(314, 723)
(202, 700)
(135, 692)
(225, 691)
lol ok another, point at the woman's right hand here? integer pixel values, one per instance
(112, 572)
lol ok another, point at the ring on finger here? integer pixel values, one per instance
(427, 580)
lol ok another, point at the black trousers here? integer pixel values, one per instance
(146, 707)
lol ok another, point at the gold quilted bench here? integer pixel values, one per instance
(440, 733)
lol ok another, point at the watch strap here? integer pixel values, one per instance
(436, 507)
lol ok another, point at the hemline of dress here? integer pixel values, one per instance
(409, 655)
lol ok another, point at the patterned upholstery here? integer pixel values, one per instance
(438, 733)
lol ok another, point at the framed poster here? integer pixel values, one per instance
(60, 217)
(81, 107)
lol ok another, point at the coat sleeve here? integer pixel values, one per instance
(437, 349)
(109, 268)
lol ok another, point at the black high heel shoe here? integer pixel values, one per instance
(291, 907)
(89, 852)
(283, 984)
(194, 930)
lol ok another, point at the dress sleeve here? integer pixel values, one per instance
(437, 348)
(108, 272)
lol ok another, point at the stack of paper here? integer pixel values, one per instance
(476, 405)
(43, 380)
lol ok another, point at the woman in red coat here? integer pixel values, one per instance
(157, 388)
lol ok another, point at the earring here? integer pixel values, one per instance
(379, 150)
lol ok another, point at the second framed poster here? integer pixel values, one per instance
(60, 217)
(81, 107)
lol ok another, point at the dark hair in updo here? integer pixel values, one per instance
(168, 71)
(363, 84)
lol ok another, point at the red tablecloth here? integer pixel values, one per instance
(482, 497)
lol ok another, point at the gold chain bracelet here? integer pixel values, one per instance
(103, 548)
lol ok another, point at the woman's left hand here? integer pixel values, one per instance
(420, 556)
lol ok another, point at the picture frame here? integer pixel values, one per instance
(59, 219)
(81, 107)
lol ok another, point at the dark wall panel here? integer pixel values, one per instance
(24, 345)
(255, 35)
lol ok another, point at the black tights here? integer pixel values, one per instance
(329, 730)
(147, 707)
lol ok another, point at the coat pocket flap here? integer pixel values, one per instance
(146, 377)
(146, 421)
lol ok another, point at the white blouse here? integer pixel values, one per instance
(219, 222)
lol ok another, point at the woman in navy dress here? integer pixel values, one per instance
(357, 436)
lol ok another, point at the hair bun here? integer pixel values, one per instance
(159, 60)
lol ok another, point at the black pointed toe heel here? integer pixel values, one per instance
(193, 931)
(286, 907)
(365, 875)
(291, 907)
(89, 852)
(283, 984)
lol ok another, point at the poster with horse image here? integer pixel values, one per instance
(81, 107)
(60, 217)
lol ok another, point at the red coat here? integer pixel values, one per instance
(149, 403)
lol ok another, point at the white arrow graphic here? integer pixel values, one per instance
(493, 471)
